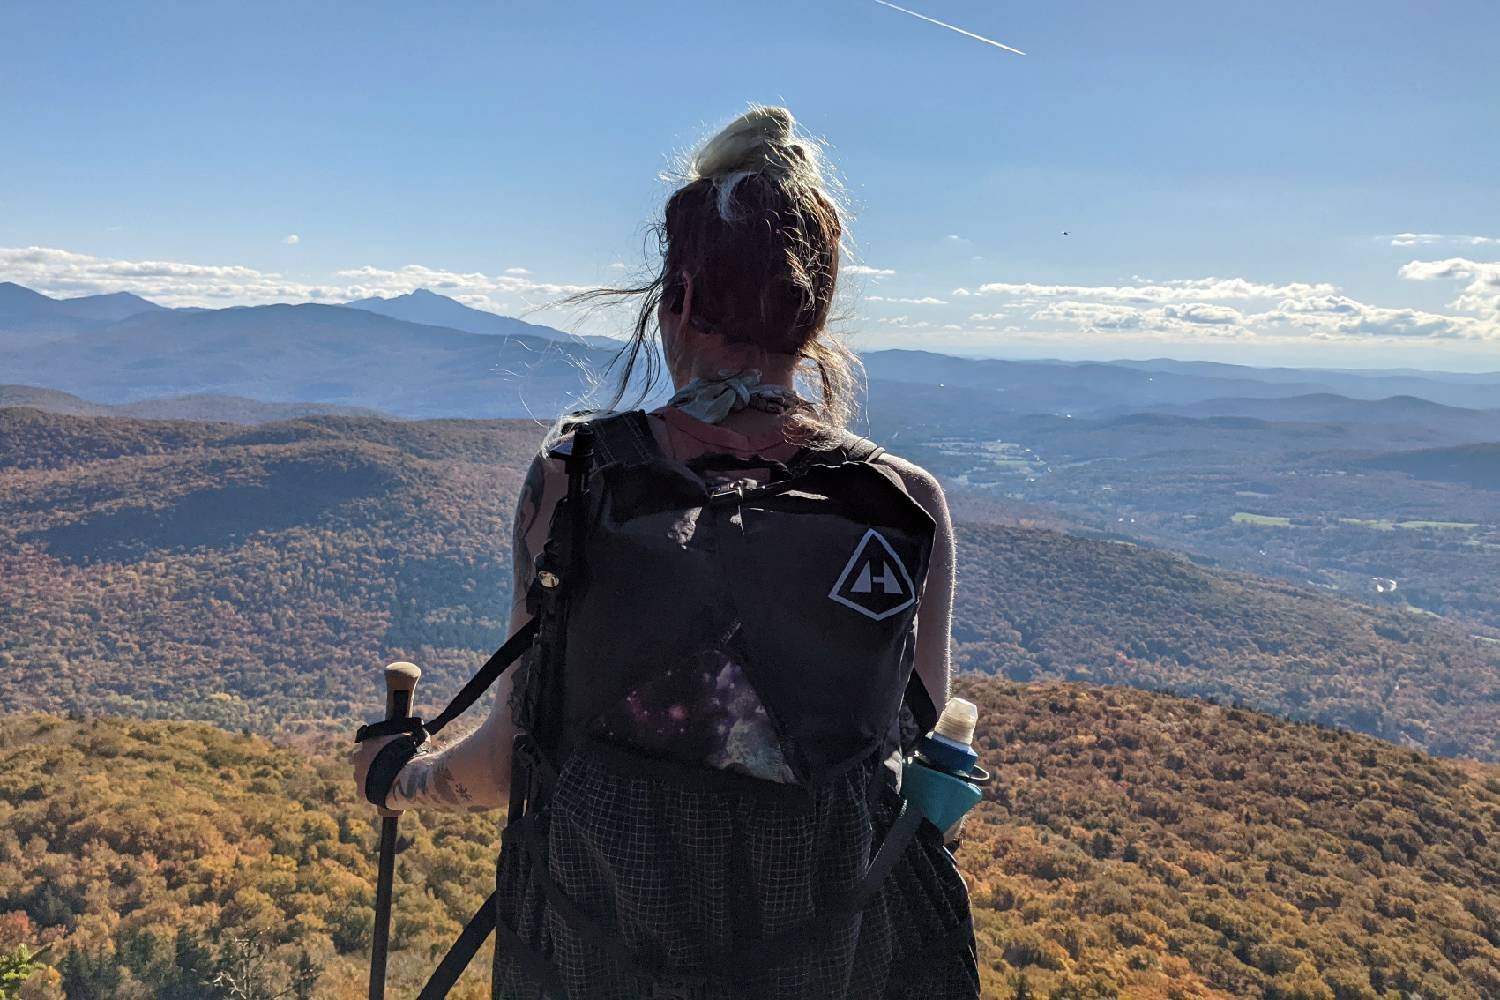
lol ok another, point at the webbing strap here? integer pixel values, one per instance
(461, 953)
(499, 662)
(849, 447)
(496, 665)
(625, 438)
(920, 702)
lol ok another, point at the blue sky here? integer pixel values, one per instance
(1330, 166)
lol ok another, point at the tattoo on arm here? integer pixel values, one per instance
(431, 782)
(528, 509)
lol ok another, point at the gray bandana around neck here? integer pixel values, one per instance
(711, 400)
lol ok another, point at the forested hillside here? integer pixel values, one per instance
(1132, 845)
(1475, 464)
(260, 576)
(1140, 845)
(1039, 604)
(149, 858)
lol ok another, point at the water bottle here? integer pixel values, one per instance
(942, 776)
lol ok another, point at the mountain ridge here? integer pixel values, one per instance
(431, 309)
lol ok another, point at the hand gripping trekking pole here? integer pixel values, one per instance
(400, 686)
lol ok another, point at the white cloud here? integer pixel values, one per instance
(1093, 315)
(1177, 290)
(516, 270)
(875, 272)
(1429, 239)
(1203, 314)
(291, 239)
(168, 282)
(1341, 316)
(926, 300)
(904, 322)
(1481, 295)
(215, 285)
(1199, 309)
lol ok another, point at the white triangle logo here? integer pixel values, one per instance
(875, 581)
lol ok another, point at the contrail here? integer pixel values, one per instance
(951, 27)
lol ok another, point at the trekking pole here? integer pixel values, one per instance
(400, 686)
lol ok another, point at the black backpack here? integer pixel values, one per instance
(630, 871)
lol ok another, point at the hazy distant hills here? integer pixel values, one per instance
(21, 307)
(29, 318)
(901, 412)
(1473, 465)
(426, 355)
(431, 309)
(261, 571)
(1382, 381)
(197, 406)
(348, 357)
(1096, 387)
(1040, 605)
(1402, 412)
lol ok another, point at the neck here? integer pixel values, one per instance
(772, 371)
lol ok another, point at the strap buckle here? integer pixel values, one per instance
(730, 491)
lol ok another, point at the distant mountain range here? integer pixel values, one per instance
(29, 318)
(1407, 412)
(1101, 388)
(431, 309)
(344, 356)
(426, 355)
(197, 406)
(1473, 464)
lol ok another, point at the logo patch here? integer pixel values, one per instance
(874, 581)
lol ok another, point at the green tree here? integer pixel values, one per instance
(15, 968)
(192, 969)
(89, 977)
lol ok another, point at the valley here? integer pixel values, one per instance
(265, 568)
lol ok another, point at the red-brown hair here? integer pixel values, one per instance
(760, 233)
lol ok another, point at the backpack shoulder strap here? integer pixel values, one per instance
(623, 438)
(845, 446)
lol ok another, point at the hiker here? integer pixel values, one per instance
(708, 739)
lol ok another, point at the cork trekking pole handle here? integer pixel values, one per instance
(400, 689)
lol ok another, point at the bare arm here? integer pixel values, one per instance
(473, 773)
(935, 609)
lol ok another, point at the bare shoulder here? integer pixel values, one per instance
(920, 483)
(923, 488)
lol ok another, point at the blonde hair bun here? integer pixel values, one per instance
(762, 140)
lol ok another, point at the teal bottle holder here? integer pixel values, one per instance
(943, 798)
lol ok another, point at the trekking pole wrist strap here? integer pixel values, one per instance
(409, 726)
(387, 765)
